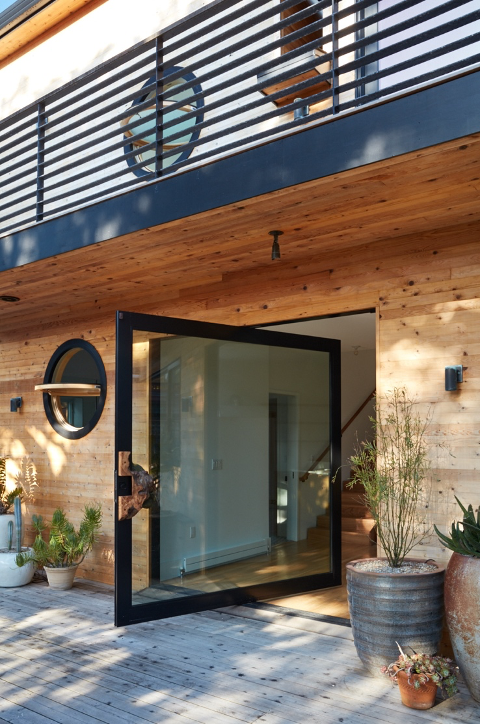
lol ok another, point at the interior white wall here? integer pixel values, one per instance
(358, 381)
(237, 434)
(305, 374)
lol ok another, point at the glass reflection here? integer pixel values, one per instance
(232, 433)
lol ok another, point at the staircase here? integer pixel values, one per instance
(355, 518)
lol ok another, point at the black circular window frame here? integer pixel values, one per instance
(132, 160)
(47, 400)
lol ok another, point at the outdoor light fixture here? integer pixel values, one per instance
(301, 112)
(15, 404)
(453, 374)
(275, 245)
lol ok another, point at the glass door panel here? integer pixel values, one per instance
(239, 435)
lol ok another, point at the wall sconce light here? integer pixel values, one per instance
(275, 245)
(15, 404)
(453, 374)
(301, 112)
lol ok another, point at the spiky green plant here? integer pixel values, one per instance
(393, 470)
(7, 496)
(465, 540)
(66, 546)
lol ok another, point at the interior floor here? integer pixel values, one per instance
(289, 559)
(332, 601)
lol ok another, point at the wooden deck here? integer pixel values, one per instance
(62, 660)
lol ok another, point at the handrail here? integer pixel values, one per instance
(235, 73)
(304, 477)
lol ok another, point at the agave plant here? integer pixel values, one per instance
(465, 540)
(66, 547)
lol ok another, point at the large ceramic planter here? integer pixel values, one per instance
(421, 698)
(4, 519)
(12, 575)
(61, 578)
(462, 611)
(390, 607)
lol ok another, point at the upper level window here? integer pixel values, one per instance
(145, 131)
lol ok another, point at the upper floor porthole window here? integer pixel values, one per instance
(74, 389)
(186, 121)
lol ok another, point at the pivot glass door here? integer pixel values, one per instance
(226, 442)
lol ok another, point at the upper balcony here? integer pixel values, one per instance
(234, 75)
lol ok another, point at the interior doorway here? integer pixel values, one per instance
(283, 464)
(357, 333)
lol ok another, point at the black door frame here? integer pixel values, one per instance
(126, 322)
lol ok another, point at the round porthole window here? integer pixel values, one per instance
(74, 389)
(181, 115)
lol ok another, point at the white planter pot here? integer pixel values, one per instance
(4, 529)
(12, 575)
(61, 578)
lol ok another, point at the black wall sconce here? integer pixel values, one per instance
(275, 245)
(15, 404)
(453, 375)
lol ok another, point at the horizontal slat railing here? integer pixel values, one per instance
(231, 75)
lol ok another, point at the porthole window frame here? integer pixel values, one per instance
(74, 434)
(196, 88)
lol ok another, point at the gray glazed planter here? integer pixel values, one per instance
(389, 607)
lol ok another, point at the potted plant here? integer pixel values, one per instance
(395, 598)
(66, 547)
(6, 501)
(11, 575)
(462, 595)
(419, 676)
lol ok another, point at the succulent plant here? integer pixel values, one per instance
(66, 546)
(10, 534)
(438, 669)
(466, 539)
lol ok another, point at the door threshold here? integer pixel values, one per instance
(294, 612)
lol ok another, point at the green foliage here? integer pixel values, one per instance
(439, 669)
(465, 540)
(7, 497)
(392, 470)
(66, 546)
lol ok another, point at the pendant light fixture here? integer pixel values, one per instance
(275, 245)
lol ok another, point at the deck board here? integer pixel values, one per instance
(62, 660)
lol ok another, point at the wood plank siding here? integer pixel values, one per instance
(400, 236)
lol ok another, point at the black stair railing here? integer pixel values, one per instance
(231, 75)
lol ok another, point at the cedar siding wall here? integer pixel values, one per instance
(426, 287)
(69, 473)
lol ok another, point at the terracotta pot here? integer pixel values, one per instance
(462, 610)
(421, 698)
(61, 578)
